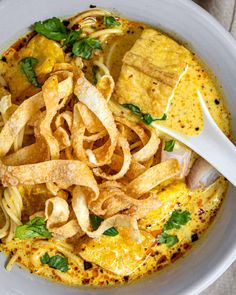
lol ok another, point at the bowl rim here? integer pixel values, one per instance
(230, 42)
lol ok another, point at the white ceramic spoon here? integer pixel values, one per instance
(211, 144)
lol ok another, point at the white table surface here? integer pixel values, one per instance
(225, 12)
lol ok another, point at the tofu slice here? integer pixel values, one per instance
(151, 72)
(47, 52)
(120, 254)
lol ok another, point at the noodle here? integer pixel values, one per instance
(11, 262)
(88, 13)
(4, 229)
(105, 32)
(102, 67)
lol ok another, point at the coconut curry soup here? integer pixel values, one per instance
(91, 193)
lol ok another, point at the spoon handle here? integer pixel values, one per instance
(215, 147)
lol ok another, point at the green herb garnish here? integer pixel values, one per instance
(169, 145)
(33, 228)
(27, 65)
(146, 118)
(52, 28)
(71, 38)
(96, 221)
(133, 108)
(177, 219)
(169, 240)
(95, 72)
(84, 47)
(57, 261)
(110, 22)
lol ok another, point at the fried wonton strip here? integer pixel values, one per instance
(153, 177)
(68, 230)
(113, 200)
(31, 154)
(67, 172)
(52, 103)
(18, 120)
(95, 136)
(93, 125)
(93, 99)
(65, 117)
(144, 206)
(53, 188)
(22, 115)
(5, 104)
(77, 134)
(149, 149)
(81, 210)
(19, 140)
(123, 143)
(56, 211)
(57, 214)
(135, 168)
(139, 131)
(62, 138)
(106, 86)
(50, 95)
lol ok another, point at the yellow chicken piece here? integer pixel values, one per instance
(48, 54)
(151, 72)
(120, 254)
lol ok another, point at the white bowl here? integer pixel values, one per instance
(217, 48)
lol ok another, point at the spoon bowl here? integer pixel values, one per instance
(211, 144)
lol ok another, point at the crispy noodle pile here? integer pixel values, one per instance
(91, 154)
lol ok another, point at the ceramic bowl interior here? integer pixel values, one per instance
(217, 49)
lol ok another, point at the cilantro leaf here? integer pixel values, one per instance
(177, 219)
(52, 28)
(96, 221)
(27, 67)
(33, 228)
(85, 46)
(71, 38)
(169, 240)
(112, 232)
(110, 22)
(57, 261)
(148, 118)
(45, 258)
(169, 145)
(133, 108)
(94, 72)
